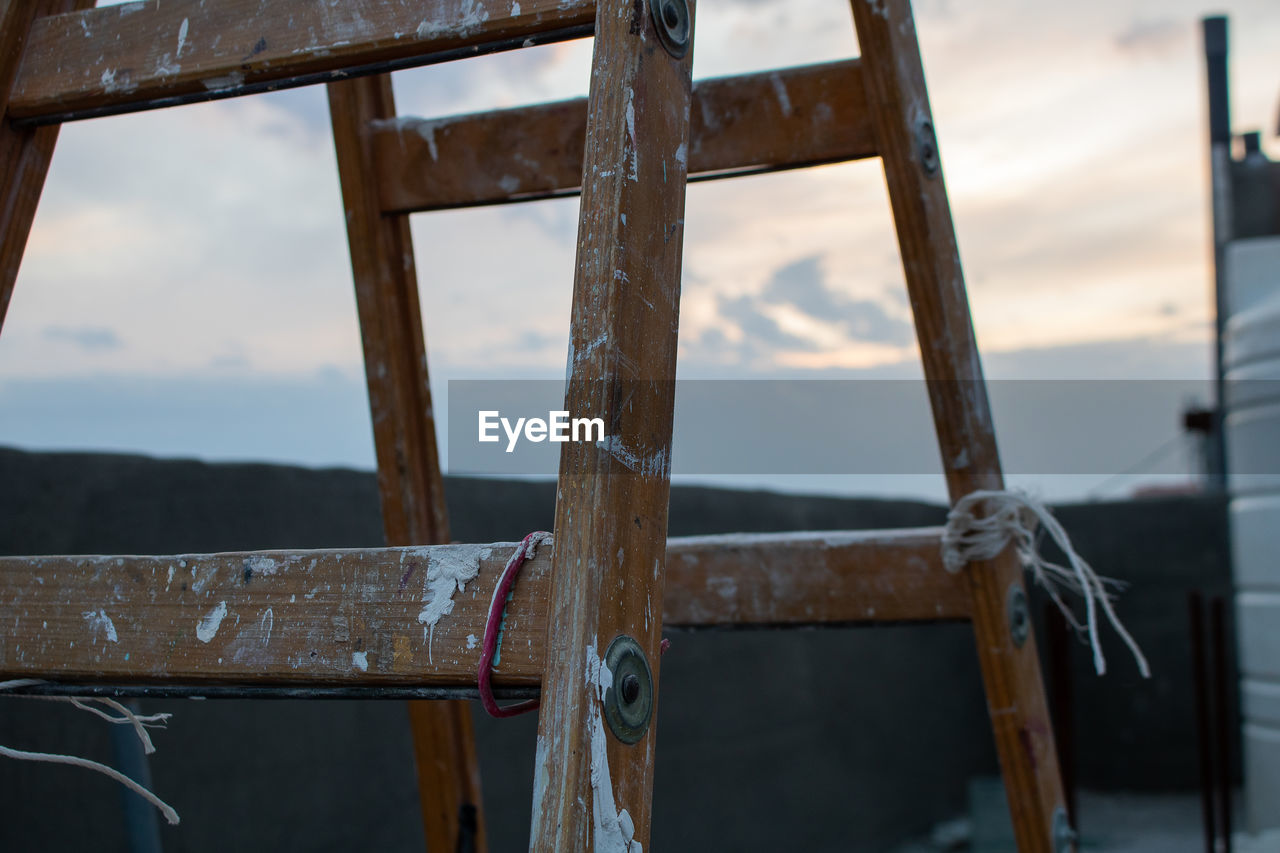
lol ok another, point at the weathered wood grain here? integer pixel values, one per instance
(25, 152)
(149, 54)
(273, 617)
(900, 113)
(591, 790)
(751, 123)
(284, 605)
(410, 482)
(807, 579)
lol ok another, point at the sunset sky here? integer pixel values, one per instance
(186, 289)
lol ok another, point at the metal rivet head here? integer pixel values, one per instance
(628, 703)
(671, 18)
(927, 146)
(1064, 837)
(1019, 615)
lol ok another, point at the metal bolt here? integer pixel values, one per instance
(630, 688)
(671, 19)
(670, 16)
(1019, 615)
(628, 704)
(927, 146)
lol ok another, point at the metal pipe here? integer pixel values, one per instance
(1223, 721)
(1215, 54)
(1200, 687)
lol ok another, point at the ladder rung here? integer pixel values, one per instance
(738, 125)
(145, 55)
(345, 618)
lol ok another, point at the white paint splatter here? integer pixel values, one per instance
(99, 621)
(226, 81)
(473, 15)
(261, 565)
(614, 831)
(509, 184)
(449, 567)
(268, 622)
(199, 580)
(208, 626)
(682, 155)
(472, 642)
(427, 130)
(182, 36)
(780, 91)
(360, 660)
(166, 67)
(654, 464)
(515, 9)
(631, 132)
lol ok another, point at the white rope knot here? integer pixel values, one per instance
(140, 723)
(1014, 516)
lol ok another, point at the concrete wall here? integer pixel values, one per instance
(815, 740)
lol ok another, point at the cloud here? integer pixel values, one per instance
(759, 329)
(803, 285)
(1152, 37)
(88, 338)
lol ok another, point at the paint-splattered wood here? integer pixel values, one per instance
(354, 617)
(309, 617)
(738, 125)
(410, 483)
(591, 790)
(822, 578)
(926, 236)
(149, 54)
(24, 152)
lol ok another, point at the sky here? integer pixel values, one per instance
(186, 289)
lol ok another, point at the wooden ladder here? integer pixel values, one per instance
(597, 601)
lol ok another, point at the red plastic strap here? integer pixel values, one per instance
(493, 627)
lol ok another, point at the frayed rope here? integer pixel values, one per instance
(1009, 515)
(140, 723)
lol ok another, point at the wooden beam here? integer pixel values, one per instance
(151, 54)
(126, 620)
(810, 579)
(25, 152)
(592, 790)
(410, 481)
(752, 123)
(348, 617)
(961, 412)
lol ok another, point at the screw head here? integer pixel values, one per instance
(927, 147)
(671, 20)
(630, 688)
(628, 702)
(1019, 615)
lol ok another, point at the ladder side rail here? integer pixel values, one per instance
(592, 790)
(25, 152)
(410, 482)
(957, 392)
